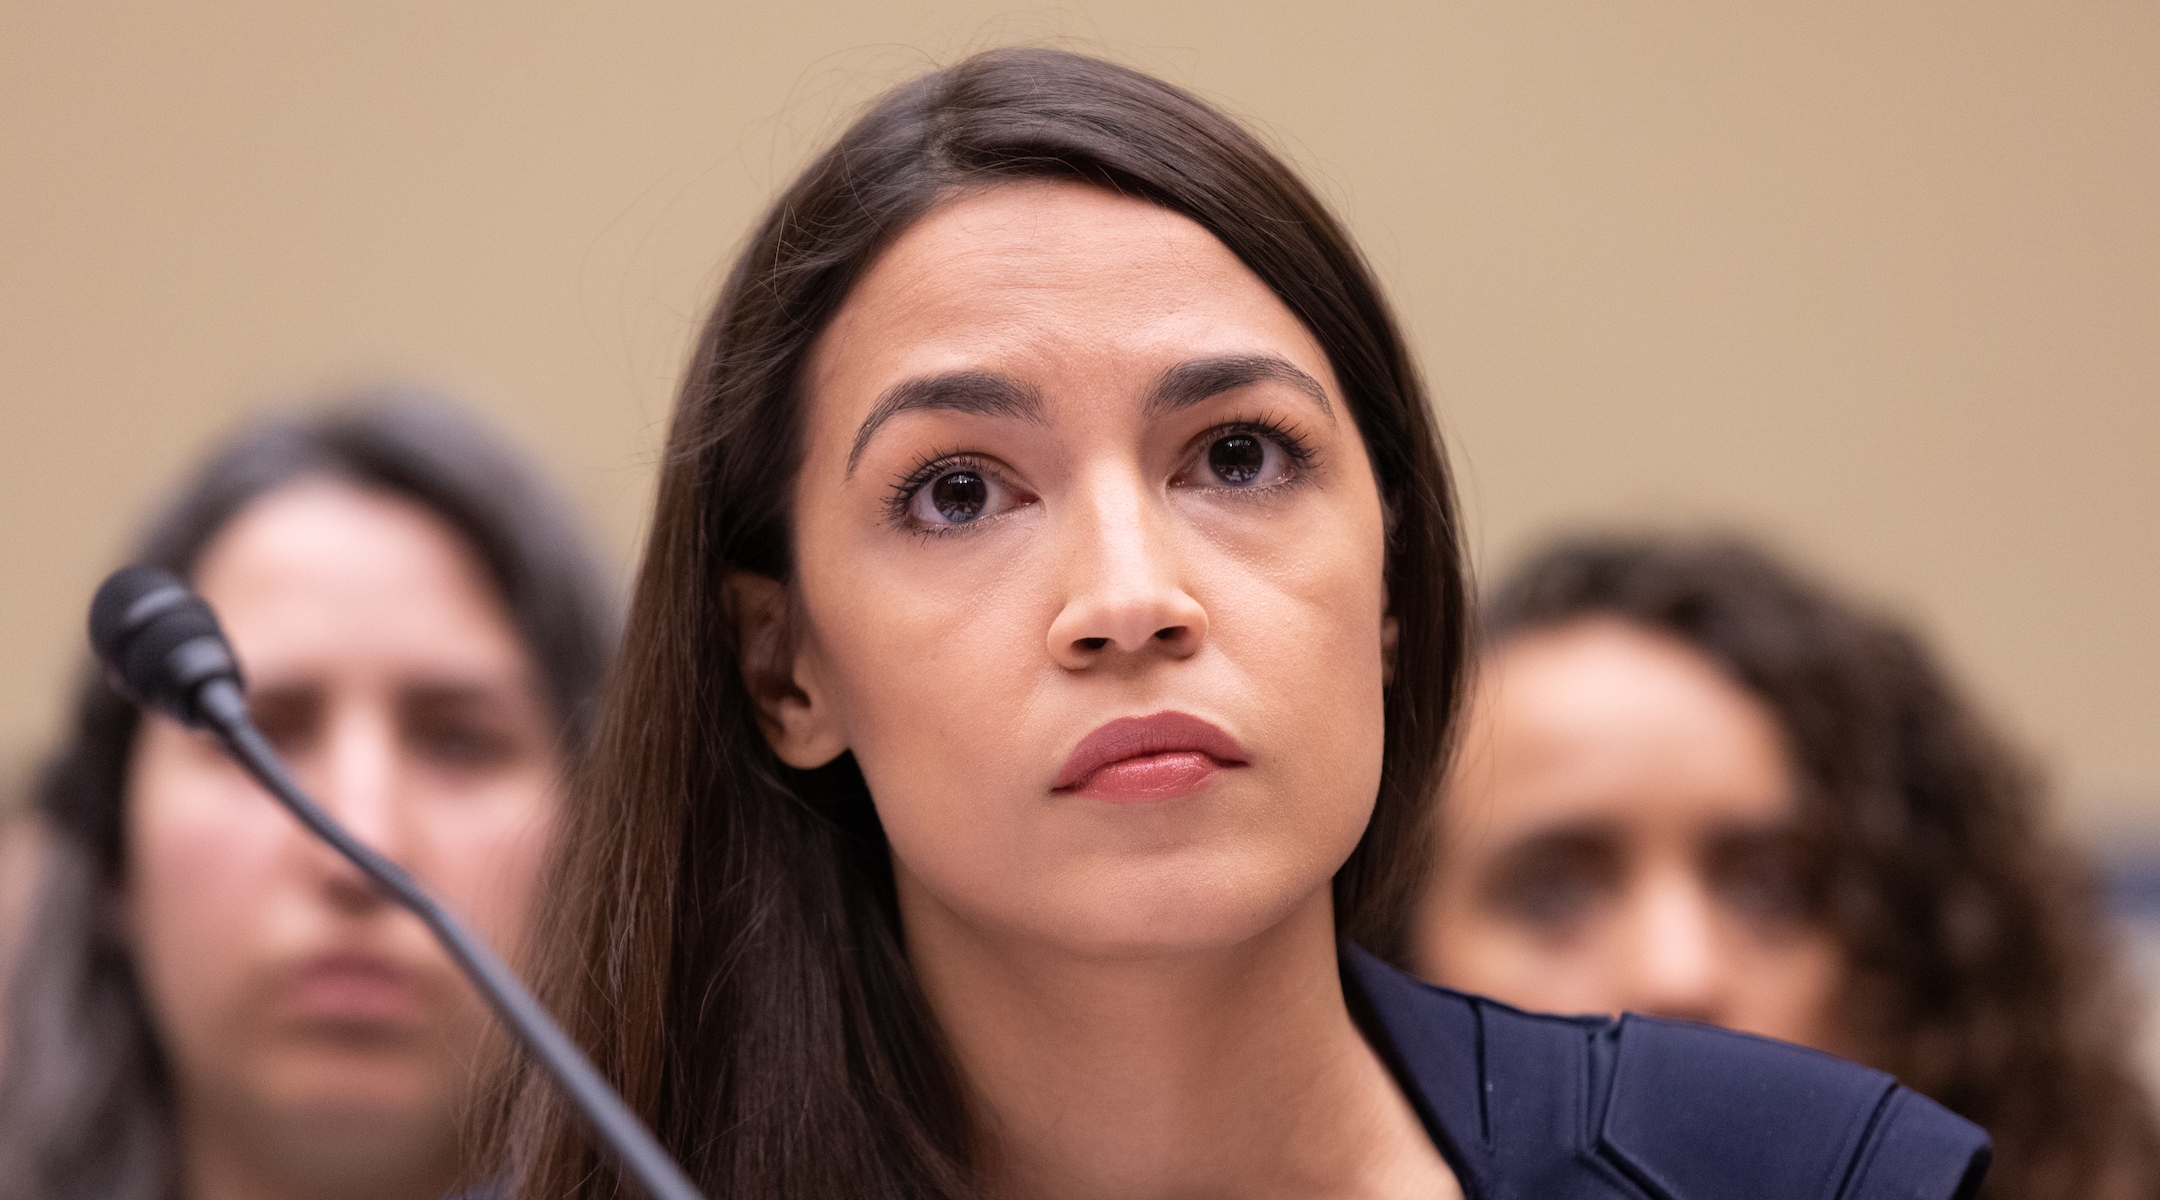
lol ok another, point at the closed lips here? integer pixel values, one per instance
(1140, 737)
(356, 987)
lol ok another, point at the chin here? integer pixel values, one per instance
(369, 1146)
(362, 1091)
(1167, 909)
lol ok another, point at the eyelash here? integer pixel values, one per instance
(930, 466)
(926, 471)
(1293, 446)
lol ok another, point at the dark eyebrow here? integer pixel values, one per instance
(1189, 383)
(982, 393)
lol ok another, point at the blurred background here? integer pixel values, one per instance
(1878, 282)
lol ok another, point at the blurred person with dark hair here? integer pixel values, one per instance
(1694, 783)
(212, 1004)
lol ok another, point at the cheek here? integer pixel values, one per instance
(484, 852)
(204, 852)
(933, 669)
(1791, 990)
(1296, 614)
(1305, 604)
(1466, 939)
(1462, 944)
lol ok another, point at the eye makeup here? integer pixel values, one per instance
(990, 486)
(969, 489)
(1298, 457)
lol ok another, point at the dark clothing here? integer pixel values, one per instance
(1532, 1107)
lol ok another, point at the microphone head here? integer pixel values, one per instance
(159, 641)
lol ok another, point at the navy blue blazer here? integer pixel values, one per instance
(1532, 1107)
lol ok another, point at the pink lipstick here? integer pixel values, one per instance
(1134, 760)
(355, 988)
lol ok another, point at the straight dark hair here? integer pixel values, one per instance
(85, 1098)
(1981, 970)
(729, 947)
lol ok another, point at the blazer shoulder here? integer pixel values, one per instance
(1700, 1112)
(1528, 1104)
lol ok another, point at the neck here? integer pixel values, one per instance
(1232, 1072)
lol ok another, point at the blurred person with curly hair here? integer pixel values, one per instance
(1696, 783)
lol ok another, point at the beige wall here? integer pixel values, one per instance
(1879, 279)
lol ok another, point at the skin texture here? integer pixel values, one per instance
(1143, 998)
(1621, 835)
(321, 1043)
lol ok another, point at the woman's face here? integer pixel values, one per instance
(1621, 834)
(1089, 579)
(312, 1027)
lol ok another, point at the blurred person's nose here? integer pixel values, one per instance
(358, 780)
(1674, 965)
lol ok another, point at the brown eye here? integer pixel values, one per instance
(960, 497)
(291, 718)
(462, 729)
(1553, 894)
(458, 744)
(1237, 459)
(1770, 879)
(1241, 459)
(1554, 881)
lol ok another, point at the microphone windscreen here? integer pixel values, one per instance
(119, 609)
(158, 640)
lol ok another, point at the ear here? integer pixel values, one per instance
(793, 710)
(1390, 638)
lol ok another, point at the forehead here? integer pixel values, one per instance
(322, 572)
(1044, 277)
(1603, 720)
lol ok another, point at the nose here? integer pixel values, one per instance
(1677, 966)
(356, 782)
(1126, 594)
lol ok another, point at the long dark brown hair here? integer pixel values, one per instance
(729, 948)
(85, 1096)
(1981, 971)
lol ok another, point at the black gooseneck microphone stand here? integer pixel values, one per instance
(163, 648)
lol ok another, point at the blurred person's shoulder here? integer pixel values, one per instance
(1558, 1108)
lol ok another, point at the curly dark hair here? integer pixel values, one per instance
(1980, 968)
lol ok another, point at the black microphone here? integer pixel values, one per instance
(161, 644)
(163, 649)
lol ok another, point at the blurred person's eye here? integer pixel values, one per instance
(465, 744)
(1767, 877)
(290, 717)
(461, 730)
(1554, 881)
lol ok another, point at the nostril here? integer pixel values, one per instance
(1095, 643)
(1168, 632)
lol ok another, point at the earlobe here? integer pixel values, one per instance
(1390, 638)
(793, 711)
